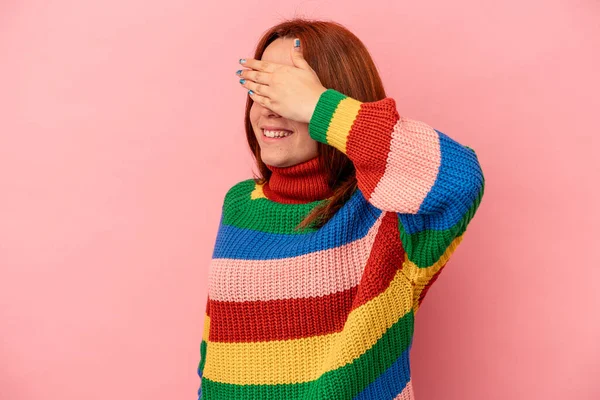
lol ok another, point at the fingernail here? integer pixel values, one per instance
(239, 72)
(250, 92)
(242, 81)
(296, 42)
(242, 60)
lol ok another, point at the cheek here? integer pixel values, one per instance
(254, 114)
(254, 117)
(303, 133)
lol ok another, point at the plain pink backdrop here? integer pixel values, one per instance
(121, 130)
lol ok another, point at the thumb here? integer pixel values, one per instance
(298, 57)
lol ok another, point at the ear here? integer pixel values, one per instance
(297, 57)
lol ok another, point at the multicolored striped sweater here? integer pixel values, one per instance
(327, 313)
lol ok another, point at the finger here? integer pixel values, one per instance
(258, 88)
(298, 57)
(258, 65)
(257, 76)
(262, 100)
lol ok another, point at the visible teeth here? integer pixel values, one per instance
(276, 133)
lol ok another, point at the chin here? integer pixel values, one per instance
(277, 160)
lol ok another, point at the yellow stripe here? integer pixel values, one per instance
(341, 122)
(257, 193)
(206, 328)
(422, 276)
(306, 359)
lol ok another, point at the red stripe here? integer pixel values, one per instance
(387, 255)
(254, 321)
(368, 144)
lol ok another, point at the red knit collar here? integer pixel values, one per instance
(301, 183)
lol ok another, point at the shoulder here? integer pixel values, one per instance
(239, 192)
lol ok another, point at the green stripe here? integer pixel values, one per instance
(202, 356)
(355, 376)
(326, 106)
(241, 211)
(426, 247)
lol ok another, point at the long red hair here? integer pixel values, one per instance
(342, 62)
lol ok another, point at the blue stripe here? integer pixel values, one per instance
(391, 383)
(351, 222)
(454, 191)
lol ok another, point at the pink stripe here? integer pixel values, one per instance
(407, 393)
(412, 167)
(314, 274)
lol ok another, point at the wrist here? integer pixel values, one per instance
(315, 102)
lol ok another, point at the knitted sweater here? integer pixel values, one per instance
(327, 313)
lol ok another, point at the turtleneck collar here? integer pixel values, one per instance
(301, 183)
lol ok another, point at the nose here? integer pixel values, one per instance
(266, 112)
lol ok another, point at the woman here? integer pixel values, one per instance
(321, 263)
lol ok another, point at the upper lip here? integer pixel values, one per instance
(274, 128)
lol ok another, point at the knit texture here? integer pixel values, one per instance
(300, 183)
(328, 313)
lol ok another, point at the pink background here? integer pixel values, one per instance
(121, 130)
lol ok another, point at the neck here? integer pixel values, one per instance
(301, 183)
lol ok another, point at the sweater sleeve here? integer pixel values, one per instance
(433, 183)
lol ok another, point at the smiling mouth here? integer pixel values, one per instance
(276, 134)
